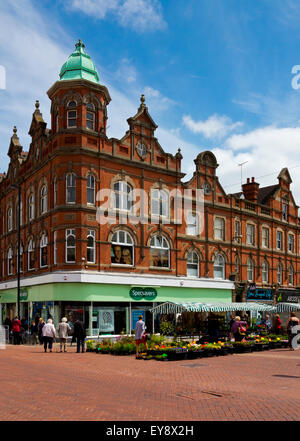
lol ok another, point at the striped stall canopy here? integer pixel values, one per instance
(283, 307)
(175, 307)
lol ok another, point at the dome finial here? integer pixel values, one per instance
(80, 45)
(15, 130)
(142, 105)
(37, 104)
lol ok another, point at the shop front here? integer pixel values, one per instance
(290, 296)
(108, 304)
(259, 295)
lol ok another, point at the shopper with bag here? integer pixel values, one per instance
(63, 330)
(238, 329)
(48, 334)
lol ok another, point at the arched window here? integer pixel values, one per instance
(9, 219)
(31, 207)
(90, 116)
(43, 251)
(192, 224)
(44, 199)
(279, 273)
(72, 114)
(219, 267)
(250, 270)
(10, 261)
(91, 246)
(31, 258)
(70, 188)
(70, 246)
(122, 248)
(122, 196)
(237, 264)
(265, 272)
(55, 192)
(291, 274)
(159, 203)
(192, 264)
(90, 189)
(159, 252)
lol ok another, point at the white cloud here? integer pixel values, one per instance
(140, 15)
(126, 71)
(216, 126)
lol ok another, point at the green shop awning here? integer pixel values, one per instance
(283, 307)
(175, 307)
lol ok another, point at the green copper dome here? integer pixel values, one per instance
(79, 66)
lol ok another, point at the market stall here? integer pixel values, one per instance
(176, 307)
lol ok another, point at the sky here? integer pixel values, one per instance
(218, 75)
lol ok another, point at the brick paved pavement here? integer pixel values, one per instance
(37, 386)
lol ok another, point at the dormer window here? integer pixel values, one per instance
(72, 114)
(90, 116)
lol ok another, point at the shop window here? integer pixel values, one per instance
(265, 272)
(72, 114)
(44, 199)
(90, 189)
(70, 246)
(219, 267)
(70, 188)
(219, 228)
(122, 248)
(9, 262)
(159, 252)
(91, 245)
(159, 203)
(279, 273)
(192, 264)
(31, 207)
(90, 116)
(44, 251)
(9, 219)
(192, 225)
(250, 270)
(31, 258)
(122, 196)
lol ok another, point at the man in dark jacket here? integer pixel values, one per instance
(79, 334)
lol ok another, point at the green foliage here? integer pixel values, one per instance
(156, 340)
(166, 328)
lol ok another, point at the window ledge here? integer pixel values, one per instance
(159, 268)
(121, 265)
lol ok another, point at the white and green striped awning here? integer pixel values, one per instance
(283, 307)
(176, 307)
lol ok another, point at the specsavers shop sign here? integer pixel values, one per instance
(137, 293)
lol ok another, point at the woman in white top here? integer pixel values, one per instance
(48, 334)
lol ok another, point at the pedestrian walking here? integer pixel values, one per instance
(79, 335)
(268, 323)
(16, 330)
(48, 334)
(238, 329)
(40, 330)
(140, 334)
(34, 333)
(63, 332)
(291, 330)
(277, 324)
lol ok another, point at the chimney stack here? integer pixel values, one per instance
(250, 190)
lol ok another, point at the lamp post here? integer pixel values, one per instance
(18, 187)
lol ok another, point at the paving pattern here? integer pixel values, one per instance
(81, 387)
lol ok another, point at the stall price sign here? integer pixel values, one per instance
(143, 293)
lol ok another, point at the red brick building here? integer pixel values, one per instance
(70, 264)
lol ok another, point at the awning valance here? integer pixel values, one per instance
(175, 307)
(283, 307)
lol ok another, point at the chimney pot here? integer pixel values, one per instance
(252, 179)
(248, 180)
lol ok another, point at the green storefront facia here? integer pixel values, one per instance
(93, 292)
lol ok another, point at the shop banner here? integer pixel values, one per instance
(106, 320)
(288, 296)
(135, 316)
(260, 294)
(137, 293)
